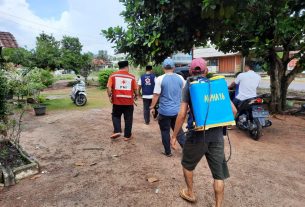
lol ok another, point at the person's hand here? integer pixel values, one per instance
(110, 99)
(152, 111)
(174, 142)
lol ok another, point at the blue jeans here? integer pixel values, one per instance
(165, 124)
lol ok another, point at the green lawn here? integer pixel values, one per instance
(60, 99)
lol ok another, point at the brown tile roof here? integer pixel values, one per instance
(7, 40)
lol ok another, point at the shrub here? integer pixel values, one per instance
(3, 94)
(47, 78)
(103, 77)
(158, 70)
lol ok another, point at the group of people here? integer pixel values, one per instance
(171, 92)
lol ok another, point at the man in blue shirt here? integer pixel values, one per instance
(168, 88)
(147, 83)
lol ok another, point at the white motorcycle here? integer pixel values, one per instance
(78, 95)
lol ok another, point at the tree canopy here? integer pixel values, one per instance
(71, 57)
(47, 52)
(156, 29)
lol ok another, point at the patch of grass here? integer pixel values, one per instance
(96, 99)
(65, 77)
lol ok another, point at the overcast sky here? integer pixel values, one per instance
(84, 19)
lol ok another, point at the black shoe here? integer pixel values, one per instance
(167, 155)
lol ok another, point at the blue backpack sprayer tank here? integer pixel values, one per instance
(211, 105)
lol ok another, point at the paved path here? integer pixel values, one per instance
(297, 85)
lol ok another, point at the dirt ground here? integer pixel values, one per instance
(81, 166)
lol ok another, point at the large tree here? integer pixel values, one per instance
(103, 55)
(47, 52)
(71, 57)
(156, 29)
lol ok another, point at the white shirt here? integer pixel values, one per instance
(248, 83)
(145, 96)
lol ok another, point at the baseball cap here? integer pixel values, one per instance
(198, 65)
(168, 63)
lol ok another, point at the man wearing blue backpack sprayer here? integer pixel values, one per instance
(146, 84)
(199, 143)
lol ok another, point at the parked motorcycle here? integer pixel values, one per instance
(78, 95)
(253, 116)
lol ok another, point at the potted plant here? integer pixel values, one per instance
(37, 80)
(40, 108)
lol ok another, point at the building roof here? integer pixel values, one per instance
(7, 40)
(210, 52)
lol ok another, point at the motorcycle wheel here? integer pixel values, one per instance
(80, 100)
(258, 131)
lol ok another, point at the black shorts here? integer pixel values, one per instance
(194, 150)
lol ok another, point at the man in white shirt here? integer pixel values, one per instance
(248, 82)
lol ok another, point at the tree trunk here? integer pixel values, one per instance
(278, 83)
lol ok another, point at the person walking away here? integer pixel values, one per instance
(199, 143)
(247, 82)
(168, 90)
(146, 83)
(122, 92)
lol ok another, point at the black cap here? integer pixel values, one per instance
(148, 67)
(123, 64)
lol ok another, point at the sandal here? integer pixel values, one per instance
(128, 139)
(183, 194)
(115, 135)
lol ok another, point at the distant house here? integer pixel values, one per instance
(98, 62)
(219, 62)
(7, 40)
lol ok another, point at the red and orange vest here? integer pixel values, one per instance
(123, 85)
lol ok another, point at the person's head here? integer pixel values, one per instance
(168, 64)
(148, 68)
(198, 67)
(248, 66)
(123, 65)
(77, 78)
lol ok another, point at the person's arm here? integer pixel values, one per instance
(154, 101)
(232, 85)
(139, 87)
(233, 109)
(109, 89)
(139, 90)
(135, 89)
(156, 95)
(179, 122)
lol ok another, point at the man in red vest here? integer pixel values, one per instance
(122, 91)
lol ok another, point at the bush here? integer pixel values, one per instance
(47, 78)
(3, 94)
(157, 70)
(103, 77)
